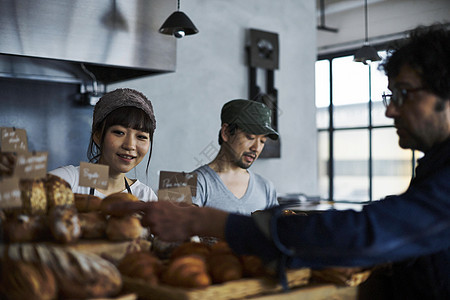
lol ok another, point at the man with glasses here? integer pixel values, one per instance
(410, 232)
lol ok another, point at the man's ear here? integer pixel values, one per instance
(225, 132)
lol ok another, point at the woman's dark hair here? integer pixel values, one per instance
(128, 116)
(427, 50)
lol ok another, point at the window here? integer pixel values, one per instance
(359, 156)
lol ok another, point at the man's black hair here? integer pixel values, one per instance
(427, 50)
(231, 129)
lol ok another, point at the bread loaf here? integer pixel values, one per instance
(78, 275)
(115, 198)
(64, 224)
(59, 192)
(142, 265)
(123, 228)
(87, 203)
(28, 280)
(34, 196)
(188, 271)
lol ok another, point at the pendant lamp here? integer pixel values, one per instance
(367, 52)
(178, 24)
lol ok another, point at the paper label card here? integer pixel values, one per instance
(176, 194)
(94, 175)
(31, 165)
(169, 179)
(13, 139)
(10, 193)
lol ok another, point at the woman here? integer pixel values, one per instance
(122, 134)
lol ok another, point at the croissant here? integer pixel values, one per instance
(142, 265)
(188, 271)
(188, 248)
(252, 266)
(224, 267)
(220, 247)
(123, 228)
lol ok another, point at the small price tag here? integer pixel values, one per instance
(10, 193)
(30, 165)
(176, 194)
(169, 179)
(94, 175)
(14, 140)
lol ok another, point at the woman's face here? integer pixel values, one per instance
(123, 148)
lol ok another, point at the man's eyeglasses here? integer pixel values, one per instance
(398, 96)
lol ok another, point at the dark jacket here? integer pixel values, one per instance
(411, 231)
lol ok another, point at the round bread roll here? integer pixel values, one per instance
(64, 224)
(93, 225)
(24, 228)
(115, 198)
(123, 228)
(87, 203)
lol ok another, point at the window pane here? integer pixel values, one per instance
(392, 165)
(322, 93)
(350, 89)
(379, 85)
(351, 160)
(324, 157)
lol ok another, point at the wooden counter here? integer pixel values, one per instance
(315, 292)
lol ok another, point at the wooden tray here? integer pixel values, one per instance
(341, 276)
(236, 289)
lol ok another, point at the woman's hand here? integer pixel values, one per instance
(172, 221)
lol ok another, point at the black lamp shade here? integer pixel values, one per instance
(178, 21)
(366, 53)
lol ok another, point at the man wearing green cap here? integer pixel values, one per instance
(226, 183)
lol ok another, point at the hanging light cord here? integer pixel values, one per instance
(367, 23)
(178, 6)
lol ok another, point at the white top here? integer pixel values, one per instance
(71, 175)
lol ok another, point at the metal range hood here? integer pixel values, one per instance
(115, 40)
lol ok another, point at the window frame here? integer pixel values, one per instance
(331, 129)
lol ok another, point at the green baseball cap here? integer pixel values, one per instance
(250, 116)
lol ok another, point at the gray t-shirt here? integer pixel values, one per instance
(212, 192)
